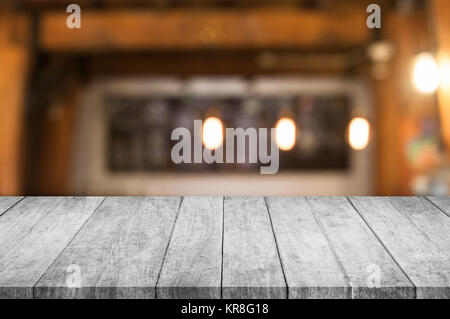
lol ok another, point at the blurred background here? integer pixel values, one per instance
(90, 111)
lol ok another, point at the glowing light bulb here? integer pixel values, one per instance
(285, 134)
(212, 133)
(427, 76)
(359, 133)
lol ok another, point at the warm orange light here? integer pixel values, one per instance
(212, 133)
(286, 134)
(359, 133)
(427, 76)
(445, 73)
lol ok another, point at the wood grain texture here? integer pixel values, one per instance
(371, 271)
(442, 202)
(251, 265)
(417, 235)
(7, 202)
(117, 254)
(192, 267)
(309, 263)
(32, 234)
(210, 247)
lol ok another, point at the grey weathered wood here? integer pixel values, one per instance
(32, 234)
(192, 267)
(340, 255)
(309, 263)
(443, 202)
(118, 253)
(7, 202)
(371, 271)
(417, 235)
(251, 265)
(327, 248)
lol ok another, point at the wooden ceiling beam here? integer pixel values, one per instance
(131, 30)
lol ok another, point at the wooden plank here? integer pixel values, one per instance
(251, 265)
(369, 267)
(7, 202)
(341, 255)
(118, 253)
(192, 267)
(417, 235)
(183, 29)
(32, 234)
(309, 264)
(443, 202)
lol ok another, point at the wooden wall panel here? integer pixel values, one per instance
(14, 58)
(400, 108)
(441, 13)
(55, 153)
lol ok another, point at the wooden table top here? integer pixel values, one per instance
(232, 247)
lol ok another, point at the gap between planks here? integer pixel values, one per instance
(381, 242)
(11, 206)
(68, 243)
(417, 235)
(167, 247)
(278, 248)
(438, 206)
(313, 238)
